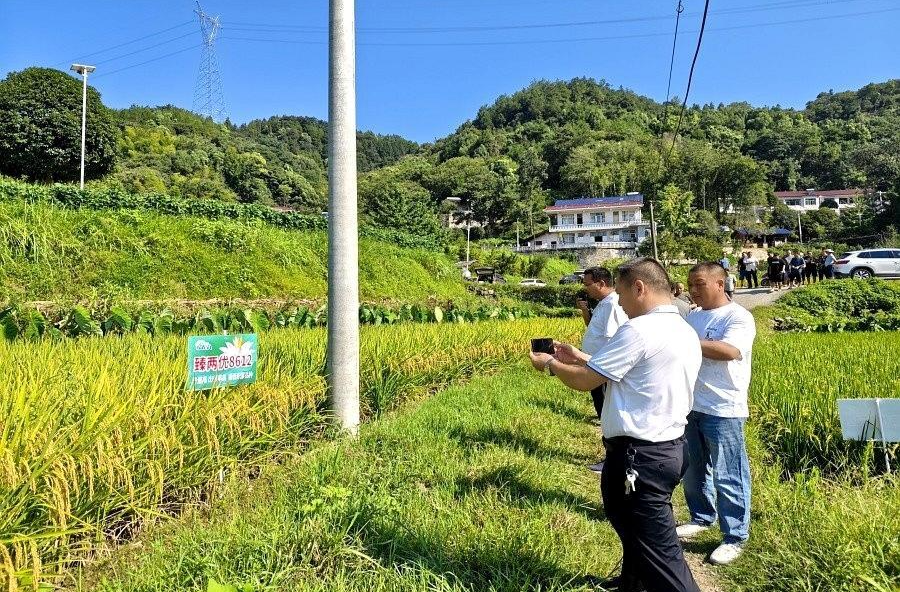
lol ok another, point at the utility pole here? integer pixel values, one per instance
(343, 239)
(653, 231)
(84, 71)
(800, 227)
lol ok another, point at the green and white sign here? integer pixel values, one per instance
(216, 361)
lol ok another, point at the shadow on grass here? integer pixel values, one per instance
(509, 480)
(507, 438)
(562, 409)
(701, 547)
(500, 567)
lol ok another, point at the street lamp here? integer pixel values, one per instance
(468, 215)
(84, 71)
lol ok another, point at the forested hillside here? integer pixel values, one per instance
(552, 139)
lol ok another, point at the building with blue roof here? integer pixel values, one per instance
(611, 224)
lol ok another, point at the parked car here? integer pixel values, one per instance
(869, 263)
(533, 282)
(572, 278)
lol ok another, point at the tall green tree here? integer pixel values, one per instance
(40, 128)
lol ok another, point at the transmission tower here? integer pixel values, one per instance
(209, 100)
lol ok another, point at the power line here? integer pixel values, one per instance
(150, 61)
(678, 12)
(149, 47)
(277, 28)
(687, 92)
(81, 57)
(571, 39)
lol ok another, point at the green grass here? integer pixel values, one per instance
(52, 253)
(482, 487)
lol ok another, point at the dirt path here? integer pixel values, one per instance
(750, 298)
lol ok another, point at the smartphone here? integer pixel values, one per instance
(542, 345)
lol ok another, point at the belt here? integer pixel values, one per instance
(619, 441)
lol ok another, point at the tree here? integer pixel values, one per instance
(40, 128)
(675, 211)
(829, 202)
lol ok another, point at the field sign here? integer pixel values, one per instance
(871, 419)
(216, 361)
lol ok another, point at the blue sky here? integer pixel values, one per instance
(425, 67)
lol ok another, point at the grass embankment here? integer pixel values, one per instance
(99, 434)
(58, 254)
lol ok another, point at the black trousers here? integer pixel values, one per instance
(752, 279)
(597, 396)
(643, 519)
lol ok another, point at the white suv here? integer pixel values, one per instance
(862, 265)
(533, 282)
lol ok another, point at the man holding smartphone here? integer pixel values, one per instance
(603, 322)
(651, 365)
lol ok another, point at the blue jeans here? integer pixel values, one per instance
(718, 475)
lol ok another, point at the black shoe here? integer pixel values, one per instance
(597, 468)
(617, 584)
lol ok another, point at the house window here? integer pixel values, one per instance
(538, 243)
(598, 238)
(567, 219)
(615, 217)
(811, 201)
(792, 202)
(568, 239)
(597, 218)
(844, 201)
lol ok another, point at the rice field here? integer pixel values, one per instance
(100, 434)
(797, 379)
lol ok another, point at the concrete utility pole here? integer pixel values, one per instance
(84, 71)
(653, 231)
(343, 240)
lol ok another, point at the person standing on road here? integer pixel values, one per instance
(724, 262)
(809, 268)
(797, 266)
(651, 366)
(717, 482)
(742, 271)
(775, 269)
(602, 324)
(751, 265)
(828, 264)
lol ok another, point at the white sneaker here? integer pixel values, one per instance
(725, 554)
(689, 530)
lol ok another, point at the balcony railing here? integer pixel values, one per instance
(595, 225)
(582, 245)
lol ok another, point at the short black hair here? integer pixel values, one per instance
(648, 270)
(600, 274)
(709, 267)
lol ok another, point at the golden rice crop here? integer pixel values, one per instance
(100, 433)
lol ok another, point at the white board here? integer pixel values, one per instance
(870, 419)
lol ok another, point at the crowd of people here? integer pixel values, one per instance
(794, 268)
(669, 373)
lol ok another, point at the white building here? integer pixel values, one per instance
(811, 199)
(593, 223)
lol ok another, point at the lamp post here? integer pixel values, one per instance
(84, 71)
(468, 215)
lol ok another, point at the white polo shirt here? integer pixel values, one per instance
(723, 384)
(606, 319)
(652, 364)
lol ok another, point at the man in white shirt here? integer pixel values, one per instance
(603, 322)
(650, 365)
(717, 482)
(751, 265)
